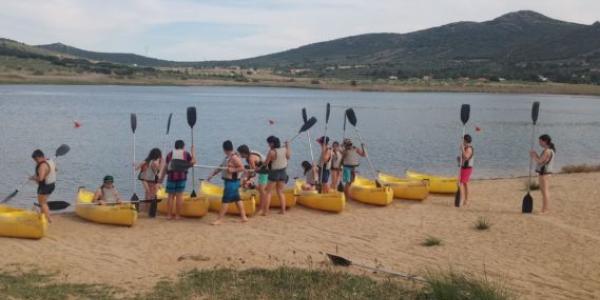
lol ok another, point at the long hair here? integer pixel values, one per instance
(548, 140)
(153, 155)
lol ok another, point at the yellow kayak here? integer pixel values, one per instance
(290, 197)
(119, 214)
(410, 189)
(191, 208)
(331, 202)
(437, 184)
(366, 191)
(214, 193)
(21, 223)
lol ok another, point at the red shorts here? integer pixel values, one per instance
(465, 175)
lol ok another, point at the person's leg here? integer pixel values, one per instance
(545, 192)
(326, 177)
(280, 187)
(465, 188)
(147, 193)
(268, 196)
(240, 206)
(178, 205)
(222, 212)
(43, 201)
(261, 188)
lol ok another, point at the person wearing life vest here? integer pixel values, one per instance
(176, 167)
(233, 166)
(45, 176)
(336, 164)
(107, 192)
(257, 172)
(350, 161)
(311, 173)
(544, 168)
(149, 174)
(466, 168)
(324, 167)
(277, 161)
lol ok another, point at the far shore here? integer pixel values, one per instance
(473, 86)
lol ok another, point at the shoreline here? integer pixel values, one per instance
(537, 256)
(438, 86)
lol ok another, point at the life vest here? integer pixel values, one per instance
(548, 166)
(108, 195)
(336, 159)
(225, 174)
(178, 162)
(351, 157)
(326, 164)
(280, 161)
(51, 176)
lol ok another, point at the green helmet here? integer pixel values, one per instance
(108, 178)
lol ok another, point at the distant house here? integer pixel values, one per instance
(393, 78)
(542, 78)
(299, 71)
(427, 78)
(344, 67)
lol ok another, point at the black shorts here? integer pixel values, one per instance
(326, 173)
(542, 171)
(278, 176)
(45, 189)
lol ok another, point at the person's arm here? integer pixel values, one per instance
(271, 156)
(140, 165)
(117, 195)
(193, 153)
(361, 151)
(288, 150)
(98, 197)
(467, 153)
(236, 165)
(544, 158)
(213, 174)
(535, 156)
(42, 173)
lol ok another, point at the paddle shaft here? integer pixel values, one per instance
(530, 158)
(193, 173)
(461, 161)
(133, 165)
(371, 166)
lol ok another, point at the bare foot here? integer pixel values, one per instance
(217, 222)
(466, 204)
(544, 212)
(282, 212)
(177, 218)
(244, 220)
(259, 212)
(170, 218)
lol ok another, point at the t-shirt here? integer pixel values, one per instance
(177, 175)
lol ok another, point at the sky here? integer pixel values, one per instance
(198, 30)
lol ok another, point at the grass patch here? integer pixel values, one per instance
(585, 168)
(454, 285)
(280, 283)
(431, 241)
(482, 223)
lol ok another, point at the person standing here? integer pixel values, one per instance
(336, 164)
(277, 161)
(177, 163)
(544, 168)
(350, 160)
(45, 176)
(324, 167)
(233, 166)
(466, 168)
(256, 170)
(149, 174)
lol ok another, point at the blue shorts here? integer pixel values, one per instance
(325, 177)
(231, 192)
(175, 186)
(348, 174)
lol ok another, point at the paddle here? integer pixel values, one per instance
(154, 204)
(305, 119)
(353, 121)
(55, 205)
(126, 202)
(344, 262)
(191, 119)
(60, 151)
(327, 113)
(133, 123)
(465, 112)
(527, 205)
(305, 127)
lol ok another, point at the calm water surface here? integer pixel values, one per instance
(403, 130)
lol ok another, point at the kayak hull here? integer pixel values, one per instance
(290, 198)
(366, 191)
(437, 184)
(214, 194)
(408, 189)
(121, 214)
(21, 223)
(331, 202)
(191, 208)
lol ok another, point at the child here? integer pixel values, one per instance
(107, 192)
(311, 173)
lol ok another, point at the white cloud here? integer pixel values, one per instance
(112, 25)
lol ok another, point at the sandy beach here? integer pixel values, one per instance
(552, 256)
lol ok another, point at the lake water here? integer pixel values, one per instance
(403, 130)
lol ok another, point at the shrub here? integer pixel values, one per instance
(482, 224)
(431, 241)
(584, 168)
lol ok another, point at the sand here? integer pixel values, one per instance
(554, 256)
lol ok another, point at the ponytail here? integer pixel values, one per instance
(548, 140)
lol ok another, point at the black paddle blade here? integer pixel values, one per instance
(535, 111)
(351, 116)
(304, 115)
(327, 112)
(191, 116)
(345, 118)
(308, 124)
(133, 121)
(12, 195)
(340, 187)
(465, 112)
(169, 123)
(153, 208)
(527, 206)
(62, 150)
(58, 205)
(339, 261)
(457, 198)
(135, 198)
(193, 194)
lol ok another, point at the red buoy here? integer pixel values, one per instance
(76, 124)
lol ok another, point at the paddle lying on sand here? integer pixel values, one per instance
(133, 123)
(527, 206)
(353, 120)
(191, 119)
(465, 112)
(117, 203)
(344, 262)
(305, 127)
(55, 205)
(305, 119)
(327, 113)
(60, 151)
